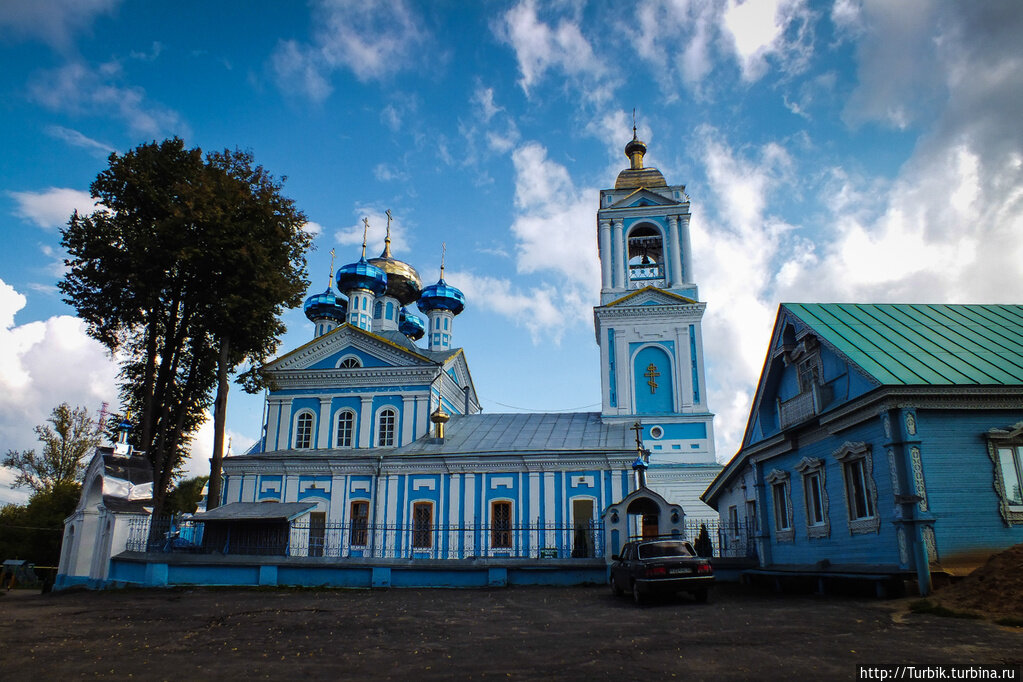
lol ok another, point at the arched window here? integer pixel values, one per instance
(349, 362)
(422, 525)
(646, 255)
(345, 429)
(385, 428)
(378, 310)
(390, 310)
(304, 431)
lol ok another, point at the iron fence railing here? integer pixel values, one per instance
(387, 541)
(358, 539)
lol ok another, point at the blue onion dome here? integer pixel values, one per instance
(442, 296)
(402, 279)
(326, 305)
(361, 275)
(411, 325)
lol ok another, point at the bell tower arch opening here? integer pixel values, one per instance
(646, 256)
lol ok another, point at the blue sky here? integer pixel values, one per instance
(857, 150)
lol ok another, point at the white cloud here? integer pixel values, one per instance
(78, 89)
(351, 235)
(539, 309)
(201, 448)
(541, 47)
(52, 21)
(315, 229)
(77, 139)
(52, 207)
(759, 30)
(43, 364)
(483, 100)
(370, 38)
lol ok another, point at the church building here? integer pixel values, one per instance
(376, 423)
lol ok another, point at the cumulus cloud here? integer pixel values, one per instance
(538, 309)
(51, 207)
(78, 89)
(558, 47)
(351, 235)
(52, 21)
(43, 364)
(372, 39)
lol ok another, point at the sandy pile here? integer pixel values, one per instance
(995, 589)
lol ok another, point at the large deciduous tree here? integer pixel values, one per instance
(68, 438)
(172, 273)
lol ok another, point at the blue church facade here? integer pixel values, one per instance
(884, 440)
(375, 445)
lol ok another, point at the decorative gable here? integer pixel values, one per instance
(650, 296)
(643, 197)
(347, 346)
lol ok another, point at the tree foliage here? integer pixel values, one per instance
(34, 531)
(68, 438)
(172, 272)
(186, 496)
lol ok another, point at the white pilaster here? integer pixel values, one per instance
(365, 421)
(619, 254)
(273, 417)
(408, 406)
(282, 442)
(323, 432)
(676, 257)
(605, 254)
(687, 251)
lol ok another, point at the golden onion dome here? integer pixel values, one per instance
(636, 175)
(403, 281)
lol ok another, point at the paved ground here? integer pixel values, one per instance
(524, 633)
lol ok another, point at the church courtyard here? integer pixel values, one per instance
(518, 633)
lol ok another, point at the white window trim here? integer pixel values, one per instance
(397, 426)
(355, 427)
(807, 467)
(1012, 514)
(349, 356)
(778, 479)
(312, 429)
(848, 453)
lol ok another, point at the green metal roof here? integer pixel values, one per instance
(939, 345)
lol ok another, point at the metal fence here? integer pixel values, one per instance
(356, 539)
(364, 540)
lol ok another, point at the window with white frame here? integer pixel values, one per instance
(345, 429)
(860, 489)
(304, 431)
(815, 496)
(781, 499)
(500, 524)
(386, 423)
(1005, 447)
(422, 525)
(349, 362)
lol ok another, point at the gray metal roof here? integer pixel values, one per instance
(256, 511)
(526, 432)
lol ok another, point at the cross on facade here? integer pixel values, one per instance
(651, 374)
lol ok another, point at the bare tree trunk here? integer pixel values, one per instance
(219, 423)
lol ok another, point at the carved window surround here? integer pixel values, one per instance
(1010, 439)
(781, 498)
(811, 469)
(851, 455)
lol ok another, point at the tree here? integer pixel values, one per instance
(703, 545)
(68, 438)
(186, 496)
(34, 531)
(161, 274)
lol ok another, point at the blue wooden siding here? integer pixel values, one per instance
(841, 546)
(959, 478)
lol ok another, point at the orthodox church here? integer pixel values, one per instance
(376, 422)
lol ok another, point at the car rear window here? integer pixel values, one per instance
(653, 550)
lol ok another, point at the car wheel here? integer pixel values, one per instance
(637, 596)
(702, 596)
(615, 590)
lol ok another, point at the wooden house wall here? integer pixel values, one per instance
(959, 477)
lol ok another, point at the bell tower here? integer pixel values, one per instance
(649, 327)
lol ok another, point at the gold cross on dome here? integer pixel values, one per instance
(651, 374)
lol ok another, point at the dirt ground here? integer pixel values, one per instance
(520, 632)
